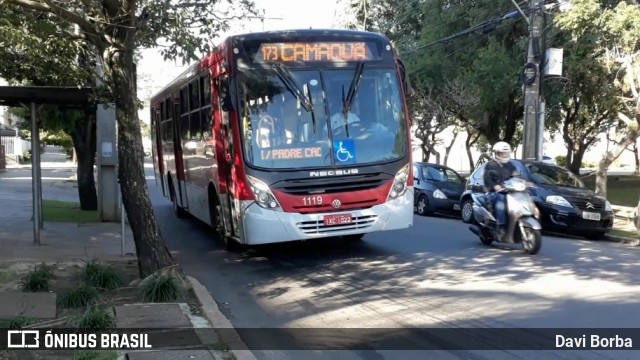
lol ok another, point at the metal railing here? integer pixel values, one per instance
(14, 146)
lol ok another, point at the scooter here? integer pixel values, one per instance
(523, 225)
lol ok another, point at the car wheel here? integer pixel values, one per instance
(467, 211)
(423, 205)
(595, 235)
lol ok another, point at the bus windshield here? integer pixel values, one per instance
(297, 119)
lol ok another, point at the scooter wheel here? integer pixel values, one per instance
(533, 242)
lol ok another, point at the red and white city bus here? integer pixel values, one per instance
(289, 135)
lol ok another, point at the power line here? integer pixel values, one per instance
(459, 48)
(485, 27)
(475, 9)
(454, 7)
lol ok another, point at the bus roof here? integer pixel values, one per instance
(268, 36)
(292, 34)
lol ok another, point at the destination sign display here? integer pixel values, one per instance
(317, 52)
(291, 153)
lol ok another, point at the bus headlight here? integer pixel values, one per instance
(399, 183)
(264, 196)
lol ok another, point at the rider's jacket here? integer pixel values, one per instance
(496, 173)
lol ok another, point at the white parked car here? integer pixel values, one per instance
(549, 160)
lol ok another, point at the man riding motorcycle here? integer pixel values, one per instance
(497, 171)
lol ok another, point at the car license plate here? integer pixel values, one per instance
(456, 206)
(338, 219)
(590, 216)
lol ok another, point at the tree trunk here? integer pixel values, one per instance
(447, 150)
(151, 250)
(610, 156)
(437, 154)
(426, 153)
(468, 143)
(84, 149)
(601, 174)
(637, 158)
(576, 161)
(569, 158)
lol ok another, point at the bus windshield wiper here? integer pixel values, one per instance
(292, 87)
(353, 89)
(307, 93)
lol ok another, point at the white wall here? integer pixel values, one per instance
(458, 159)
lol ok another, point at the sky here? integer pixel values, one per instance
(154, 73)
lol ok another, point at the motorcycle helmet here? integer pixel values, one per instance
(502, 152)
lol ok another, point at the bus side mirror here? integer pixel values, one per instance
(406, 82)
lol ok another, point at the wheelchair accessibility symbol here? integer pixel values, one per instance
(344, 151)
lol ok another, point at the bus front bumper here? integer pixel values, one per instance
(262, 226)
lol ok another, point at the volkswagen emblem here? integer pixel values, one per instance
(590, 206)
(336, 203)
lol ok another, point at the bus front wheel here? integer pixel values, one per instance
(217, 223)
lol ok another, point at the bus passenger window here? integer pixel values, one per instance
(205, 91)
(194, 97)
(195, 132)
(207, 123)
(184, 98)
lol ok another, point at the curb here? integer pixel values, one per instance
(623, 240)
(217, 319)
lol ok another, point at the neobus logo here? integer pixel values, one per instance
(333, 172)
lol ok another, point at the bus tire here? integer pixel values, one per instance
(217, 222)
(179, 211)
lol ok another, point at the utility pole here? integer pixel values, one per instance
(533, 73)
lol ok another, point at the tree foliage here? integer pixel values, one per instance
(30, 51)
(604, 39)
(487, 60)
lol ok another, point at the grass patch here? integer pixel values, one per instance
(66, 211)
(101, 276)
(95, 319)
(625, 233)
(8, 276)
(161, 288)
(95, 355)
(15, 323)
(220, 346)
(79, 297)
(37, 280)
(622, 190)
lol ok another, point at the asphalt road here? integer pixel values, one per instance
(436, 274)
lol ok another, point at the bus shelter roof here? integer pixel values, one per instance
(70, 96)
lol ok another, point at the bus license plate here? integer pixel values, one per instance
(338, 219)
(591, 216)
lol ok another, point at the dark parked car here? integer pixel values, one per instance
(437, 188)
(565, 204)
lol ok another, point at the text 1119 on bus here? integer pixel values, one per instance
(288, 135)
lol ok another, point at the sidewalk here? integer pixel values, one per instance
(52, 158)
(68, 247)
